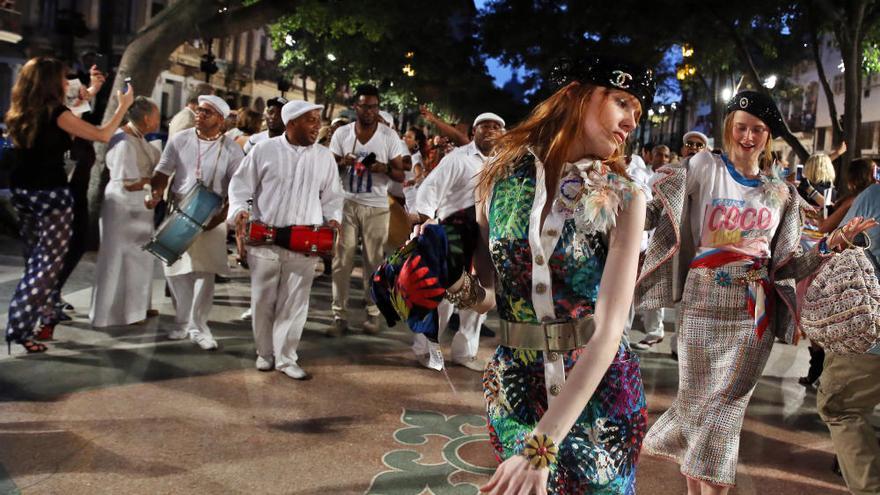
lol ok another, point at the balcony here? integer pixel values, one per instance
(267, 70)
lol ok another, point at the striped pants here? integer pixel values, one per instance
(45, 217)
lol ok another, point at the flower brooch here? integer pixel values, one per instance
(540, 451)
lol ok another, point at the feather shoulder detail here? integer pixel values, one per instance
(593, 195)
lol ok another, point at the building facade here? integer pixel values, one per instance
(247, 74)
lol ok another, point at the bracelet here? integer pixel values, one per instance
(468, 295)
(541, 451)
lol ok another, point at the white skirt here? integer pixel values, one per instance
(124, 271)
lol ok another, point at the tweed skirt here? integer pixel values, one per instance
(599, 454)
(720, 360)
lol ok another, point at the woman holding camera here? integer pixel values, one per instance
(41, 127)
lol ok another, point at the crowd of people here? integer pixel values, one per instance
(551, 223)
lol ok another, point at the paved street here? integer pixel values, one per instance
(123, 410)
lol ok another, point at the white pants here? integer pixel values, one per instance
(281, 282)
(465, 343)
(652, 320)
(193, 295)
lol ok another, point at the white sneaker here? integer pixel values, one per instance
(294, 371)
(264, 364)
(178, 335)
(472, 364)
(205, 341)
(247, 315)
(433, 359)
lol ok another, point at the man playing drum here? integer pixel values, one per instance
(198, 157)
(293, 182)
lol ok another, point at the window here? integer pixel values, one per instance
(866, 135)
(837, 84)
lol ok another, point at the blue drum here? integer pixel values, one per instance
(189, 219)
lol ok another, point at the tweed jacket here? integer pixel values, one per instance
(672, 249)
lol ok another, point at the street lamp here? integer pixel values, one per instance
(726, 93)
(770, 82)
(687, 50)
(331, 57)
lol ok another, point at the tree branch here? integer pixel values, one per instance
(244, 18)
(823, 78)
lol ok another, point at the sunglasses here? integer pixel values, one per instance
(694, 145)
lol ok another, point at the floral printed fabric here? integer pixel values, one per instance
(600, 453)
(575, 266)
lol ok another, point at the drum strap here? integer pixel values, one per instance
(216, 162)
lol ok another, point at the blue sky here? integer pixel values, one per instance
(501, 73)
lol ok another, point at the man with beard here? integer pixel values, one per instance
(447, 191)
(292, 181)
(274, 123)
(200, 155)
(369, 158)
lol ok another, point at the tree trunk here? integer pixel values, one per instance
(837, 131)
(849, 32)
(717, 112)
(147, 54)
(305, 87)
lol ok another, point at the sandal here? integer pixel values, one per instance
(29, 345)
(47, 332)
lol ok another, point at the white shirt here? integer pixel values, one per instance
(644, 178)
(396, 188)
(728, 212)
(218, 159)
(450, 186)
(290, 185)
(368, 189)
(129, 158)
(254, 140)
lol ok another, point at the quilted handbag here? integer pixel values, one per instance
(841, 307)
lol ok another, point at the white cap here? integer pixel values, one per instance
(215, 101)
(294, 108)
(389, 120)
(488, 116)
(696, 134)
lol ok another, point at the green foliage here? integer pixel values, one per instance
(871, 62)
(373, 41)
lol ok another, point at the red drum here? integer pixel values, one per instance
(259, 234)
(305, 239)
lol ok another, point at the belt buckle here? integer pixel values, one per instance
(545, 328)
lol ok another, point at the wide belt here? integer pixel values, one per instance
(560, 336)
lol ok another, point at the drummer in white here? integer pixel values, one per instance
(200, 155)
(448, 189)
(292, 181)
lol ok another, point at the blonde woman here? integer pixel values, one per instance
(818, 178)
(727, 246)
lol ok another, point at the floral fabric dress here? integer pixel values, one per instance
(553, 275)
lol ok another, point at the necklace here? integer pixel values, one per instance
(214, 138)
